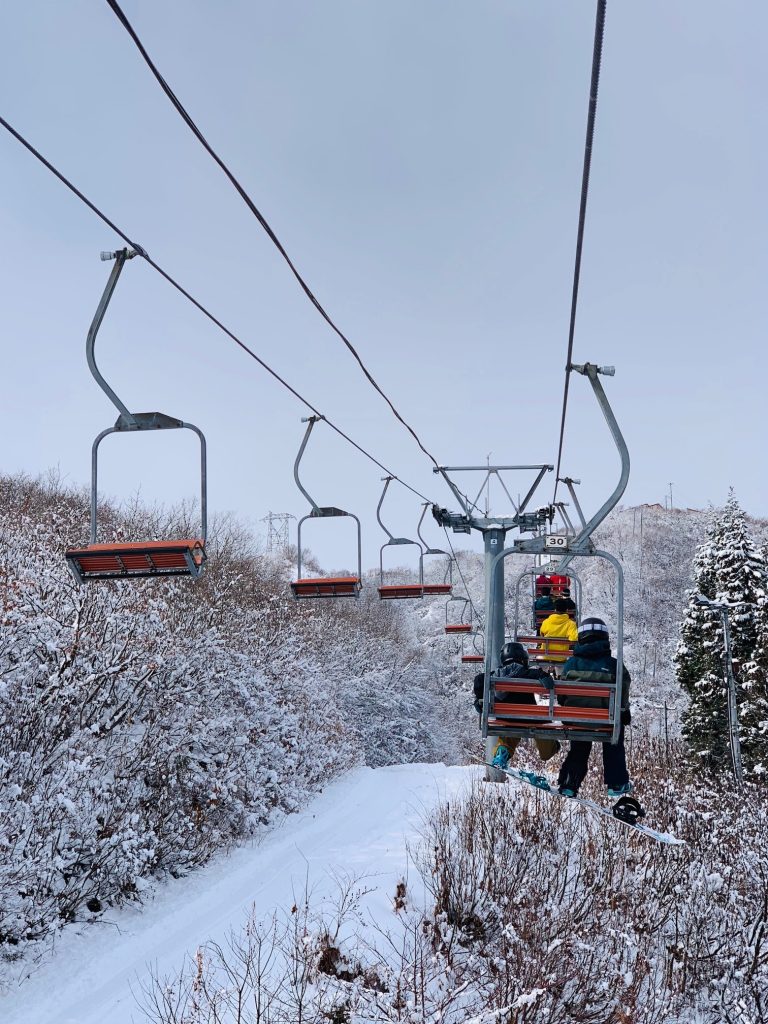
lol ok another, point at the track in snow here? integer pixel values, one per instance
(359, 825)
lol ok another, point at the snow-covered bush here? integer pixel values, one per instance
(538, 910)
(146, 725)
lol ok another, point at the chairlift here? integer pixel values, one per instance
(99, 561)
(452, 627)
(323, 586)
(542, 715)
(477, 656)
(406, 591)
(430, 589)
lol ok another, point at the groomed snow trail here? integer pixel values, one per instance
(359, 826)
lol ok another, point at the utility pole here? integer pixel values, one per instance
(733, 712)
(277, 531)
(671, 504)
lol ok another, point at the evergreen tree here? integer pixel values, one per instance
(728, 569)
(753, 710)
(698, 661)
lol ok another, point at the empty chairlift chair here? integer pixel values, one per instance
(322, 586)
(476, 656)
(434, 589)
(404, 591)
(174, 557)
(457, 625)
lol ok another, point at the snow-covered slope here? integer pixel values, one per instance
(360, 826)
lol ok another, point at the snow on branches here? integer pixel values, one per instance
(729, 571)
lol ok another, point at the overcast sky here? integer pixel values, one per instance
(421, 161)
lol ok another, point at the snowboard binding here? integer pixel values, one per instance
(539, 781)
(629, 810)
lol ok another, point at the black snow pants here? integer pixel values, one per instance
(574, 767)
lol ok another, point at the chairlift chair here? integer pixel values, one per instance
(544, 717)
(406, 591)
(434, 589)
(323, 586)
(100, 561)
(477, 656)
(452, 627)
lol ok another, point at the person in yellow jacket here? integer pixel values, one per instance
(558, 624)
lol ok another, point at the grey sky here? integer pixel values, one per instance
(421, 161)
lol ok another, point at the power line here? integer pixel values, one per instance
(198, 305)
(186, 117)
(597, 51)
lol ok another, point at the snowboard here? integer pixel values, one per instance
(542, 783)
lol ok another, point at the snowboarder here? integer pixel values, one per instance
(592, 661)
(559, 624)
(570, 604)
(514, 665)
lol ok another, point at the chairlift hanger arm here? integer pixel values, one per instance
(318, 511)
(119, 257)
(392, 539)
(591, 371)
(427, 549)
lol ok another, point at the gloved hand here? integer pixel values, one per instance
(626, 716)
(478, 706)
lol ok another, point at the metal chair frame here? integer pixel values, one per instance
(193, 556)
(323, 586)
(406, 591)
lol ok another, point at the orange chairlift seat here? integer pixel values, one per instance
(406, 591)
(131, 560)
(322, 586)
(544, 716)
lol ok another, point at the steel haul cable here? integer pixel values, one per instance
(195, 302)
(178, 105)
(597, 51)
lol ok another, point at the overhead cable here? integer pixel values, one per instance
(597, 51)
(198, 305)
(181, 109)
(475, 612)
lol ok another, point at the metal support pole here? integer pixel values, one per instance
(666, 732)
(733, 713)
(494, 627)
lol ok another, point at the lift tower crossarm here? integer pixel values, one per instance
(466, 521)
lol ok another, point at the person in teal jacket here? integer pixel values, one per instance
(592, 661)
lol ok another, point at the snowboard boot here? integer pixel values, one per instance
(624, 790)
(501, 757)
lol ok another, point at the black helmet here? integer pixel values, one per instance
(591, 630)
(514, 652)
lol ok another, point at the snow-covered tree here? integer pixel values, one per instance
(728, 570)
(753, 710)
